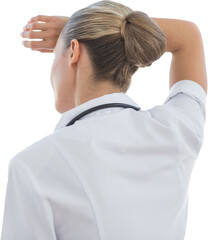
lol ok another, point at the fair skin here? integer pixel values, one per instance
(184, 41)
(71, 77)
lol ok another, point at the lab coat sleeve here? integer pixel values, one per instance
(187, 101)
(27, 212)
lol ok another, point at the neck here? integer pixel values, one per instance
(85, 94)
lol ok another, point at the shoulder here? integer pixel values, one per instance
(37, 155)
(184, 110)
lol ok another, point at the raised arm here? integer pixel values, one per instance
(50, 26)
(184, 41)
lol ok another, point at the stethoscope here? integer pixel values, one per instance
(100, 107)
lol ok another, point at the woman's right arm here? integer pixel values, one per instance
(184, 41)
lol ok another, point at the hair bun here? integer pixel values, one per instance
(118, 40)
(144, 40)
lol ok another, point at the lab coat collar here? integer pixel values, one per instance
(107, 98)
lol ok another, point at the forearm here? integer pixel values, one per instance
(176, 31)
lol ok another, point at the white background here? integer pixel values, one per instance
(27, 101)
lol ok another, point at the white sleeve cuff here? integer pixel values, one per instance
(192, 89)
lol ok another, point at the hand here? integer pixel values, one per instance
(50, 26)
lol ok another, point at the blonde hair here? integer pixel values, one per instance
(118, 40)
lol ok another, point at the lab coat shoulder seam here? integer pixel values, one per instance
(84, 190)
(35, 182)
(32, 186)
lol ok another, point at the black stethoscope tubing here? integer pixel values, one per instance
(100, 107)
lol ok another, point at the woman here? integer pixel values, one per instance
(117, 172)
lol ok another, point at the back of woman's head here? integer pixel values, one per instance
(118, 40)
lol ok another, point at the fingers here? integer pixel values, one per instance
(36, 26)
(42, 18)
(35, 45)
(48, 44)
(34, 34)
(50, 29)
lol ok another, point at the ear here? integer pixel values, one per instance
(74, 52)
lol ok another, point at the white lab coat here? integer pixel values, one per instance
(115, 174)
